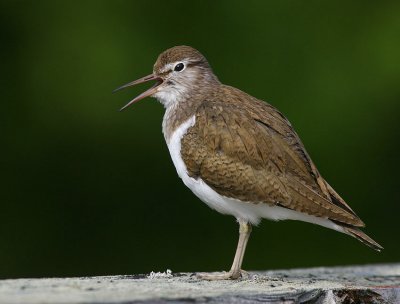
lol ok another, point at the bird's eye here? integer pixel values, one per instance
(179, 67)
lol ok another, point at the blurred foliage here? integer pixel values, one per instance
(87, 190)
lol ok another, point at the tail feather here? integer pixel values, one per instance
(359, 235)
(362, 237)
(351, 229)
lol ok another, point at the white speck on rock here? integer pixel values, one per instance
(159, 275)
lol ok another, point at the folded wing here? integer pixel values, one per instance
(251, 153)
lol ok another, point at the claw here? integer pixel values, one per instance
(231, 275)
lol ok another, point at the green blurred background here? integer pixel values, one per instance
(87, 190)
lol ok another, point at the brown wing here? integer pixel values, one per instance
(253, 154)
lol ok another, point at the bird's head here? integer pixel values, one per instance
(178, 72)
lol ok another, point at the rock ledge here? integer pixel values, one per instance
(353, 284)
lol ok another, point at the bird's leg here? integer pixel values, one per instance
(244, 234)
(236, 271)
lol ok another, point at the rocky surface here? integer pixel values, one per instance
(356, 284)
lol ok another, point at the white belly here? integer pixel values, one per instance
(243, 211)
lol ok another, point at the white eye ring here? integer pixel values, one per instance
(179, 67)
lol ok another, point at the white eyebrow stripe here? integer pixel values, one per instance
(170, 66)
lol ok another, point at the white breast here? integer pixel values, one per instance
(243, 211)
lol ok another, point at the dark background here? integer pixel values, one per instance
(87, 190)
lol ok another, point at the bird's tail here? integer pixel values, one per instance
(361, 236)
(350, 229)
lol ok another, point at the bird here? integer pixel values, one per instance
(238, 154)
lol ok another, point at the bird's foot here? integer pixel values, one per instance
(230, 275)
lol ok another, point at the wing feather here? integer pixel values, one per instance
(254, 155)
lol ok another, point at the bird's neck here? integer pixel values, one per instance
(177, 113)
(184, 107)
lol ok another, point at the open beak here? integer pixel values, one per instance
(149, 92)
